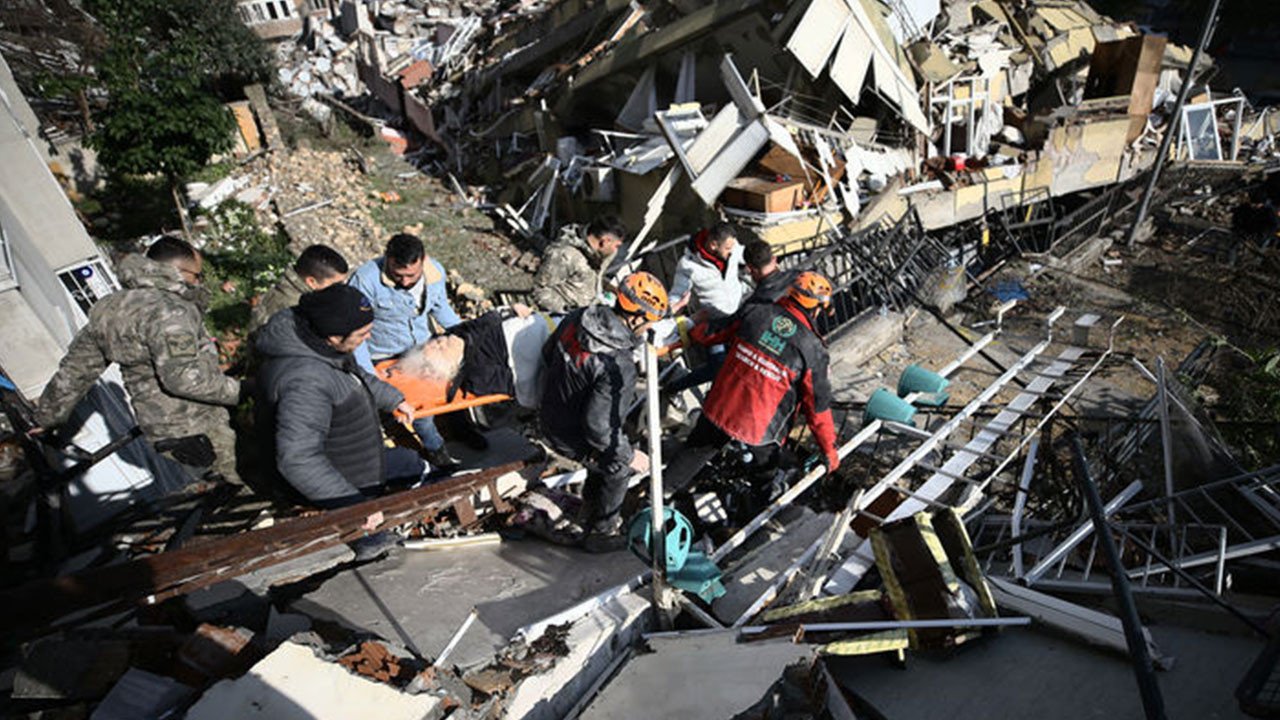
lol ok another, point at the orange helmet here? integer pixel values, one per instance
(643, 294)
(810, 291)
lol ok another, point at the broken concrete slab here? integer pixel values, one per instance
(140, 695)
(293, 684)
(594, 642)
(420, 598)
(707, 676)
(70, 669)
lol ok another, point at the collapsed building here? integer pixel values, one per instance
(905, 149)
(802, 122)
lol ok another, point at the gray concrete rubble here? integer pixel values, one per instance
(1053, 380)
(293, 683)
(419, 598)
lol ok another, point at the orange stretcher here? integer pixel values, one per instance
(428, 396)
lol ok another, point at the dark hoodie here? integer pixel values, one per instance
(589, 379)
(324, 410)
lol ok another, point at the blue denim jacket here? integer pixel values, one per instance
(397, 324)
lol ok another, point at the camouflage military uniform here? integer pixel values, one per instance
(285, 294)
(155, 330)
(570, 274)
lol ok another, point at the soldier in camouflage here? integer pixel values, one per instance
(318, 267)
(572, 268)
(154, 329)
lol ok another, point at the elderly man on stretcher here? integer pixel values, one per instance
(494, 358)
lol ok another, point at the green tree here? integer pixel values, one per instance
(162, 68)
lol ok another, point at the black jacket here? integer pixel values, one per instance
(485, 363)
(323, 409)
(589, 382)
(771, 288)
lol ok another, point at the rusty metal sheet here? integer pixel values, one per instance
(30, 608)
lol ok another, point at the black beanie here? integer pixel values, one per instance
(336, 311)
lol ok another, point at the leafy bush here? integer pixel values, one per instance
(243, 260)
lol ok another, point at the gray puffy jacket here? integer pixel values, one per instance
(324, 411)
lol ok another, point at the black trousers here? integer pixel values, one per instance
(705, 441)
(602, 493)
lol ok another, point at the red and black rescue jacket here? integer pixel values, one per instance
(776, 364)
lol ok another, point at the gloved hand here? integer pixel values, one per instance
(832, 460)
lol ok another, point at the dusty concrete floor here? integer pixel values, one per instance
(1028, 674)
(419, 598)
(709, 677)
(1020, 673)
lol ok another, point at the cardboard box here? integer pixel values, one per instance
(760, 195)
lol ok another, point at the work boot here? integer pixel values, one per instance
(600, 543)
(372, 547)
(441, 459)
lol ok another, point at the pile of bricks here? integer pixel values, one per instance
(374, 660)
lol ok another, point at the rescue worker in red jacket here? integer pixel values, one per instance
(776, 365)
(588, 385)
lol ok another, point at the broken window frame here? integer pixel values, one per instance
(88, 282)
(1187, 142)
(949, 103)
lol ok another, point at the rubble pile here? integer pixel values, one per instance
(318, 196)
(848, 116)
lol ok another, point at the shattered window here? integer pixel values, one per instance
(271, 8)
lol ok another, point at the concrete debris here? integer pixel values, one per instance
(66, 669)
(141, 695)
(306, 178)
(292, 683)
(218, 652)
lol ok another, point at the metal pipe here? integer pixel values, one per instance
(658, 539)
(1210, 21)
(457, 638)
(1148, 685)
(1059, 553)
(1024, 485)
(1166, 436)
(1193, 582)
(852, 626)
